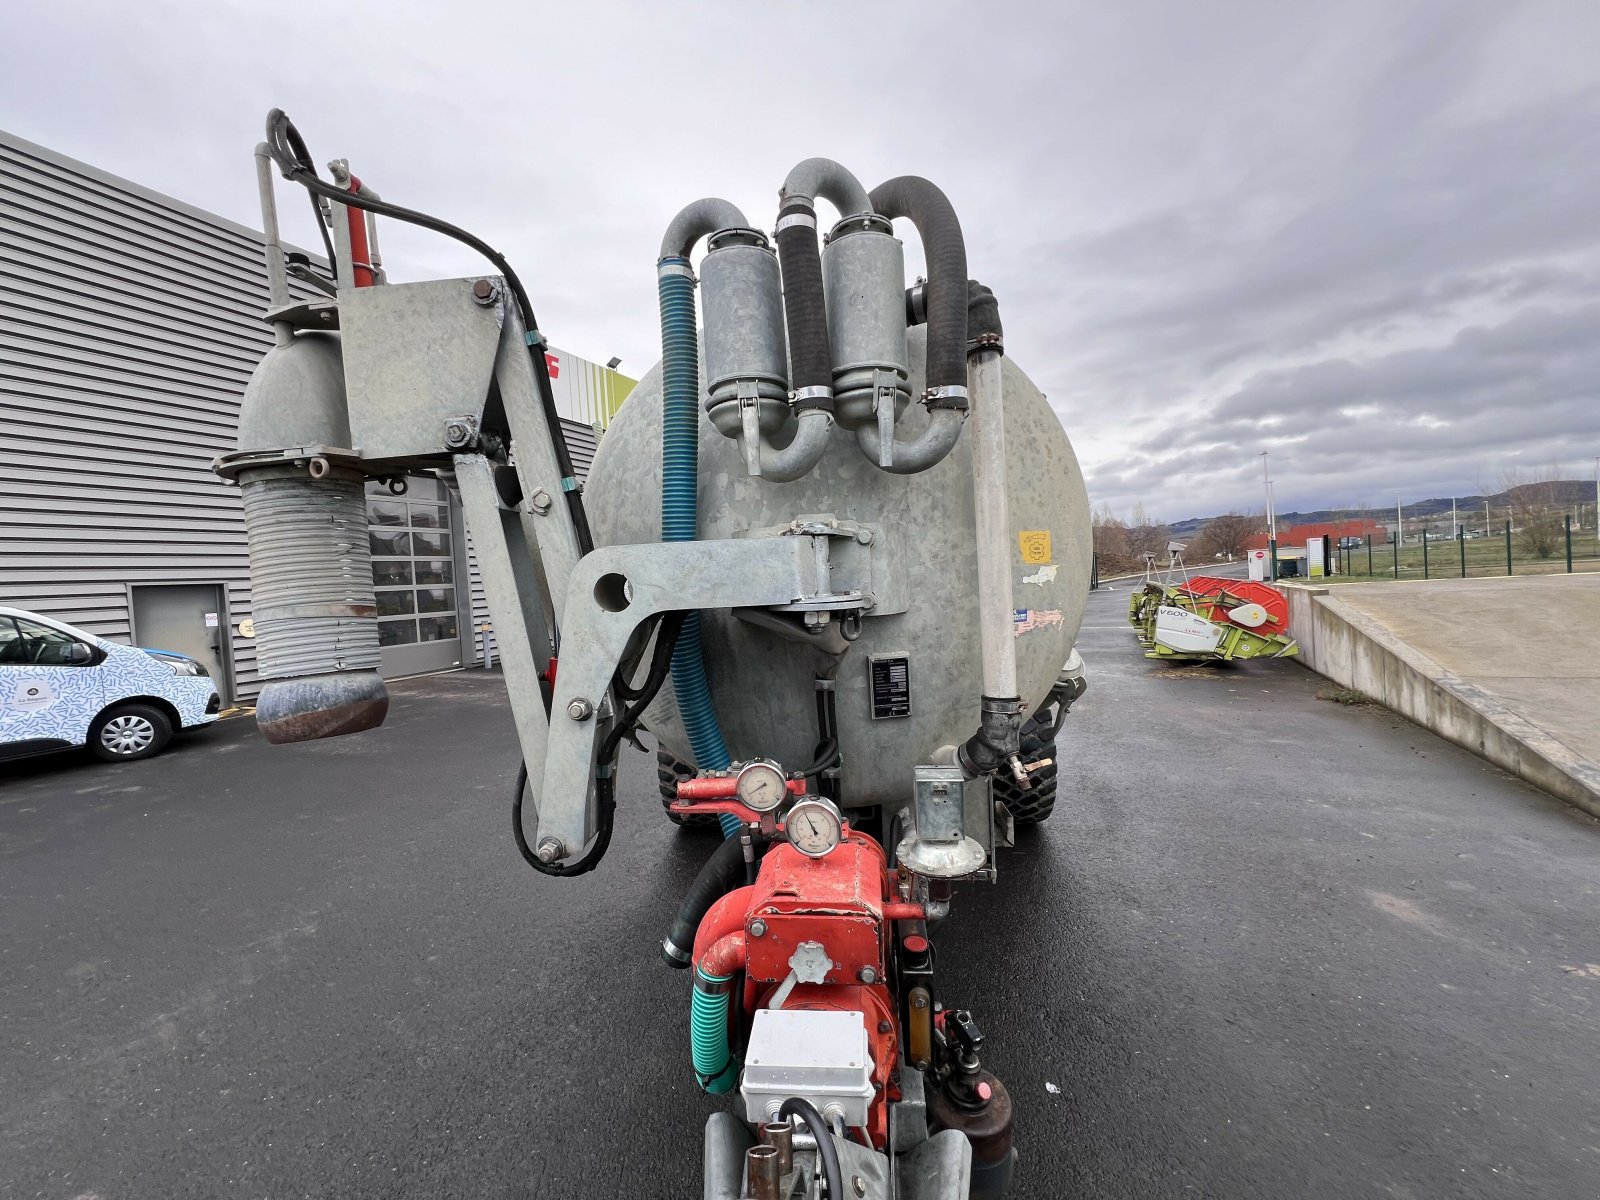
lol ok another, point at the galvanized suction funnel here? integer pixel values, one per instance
(320, 706)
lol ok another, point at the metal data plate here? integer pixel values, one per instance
(889, 676)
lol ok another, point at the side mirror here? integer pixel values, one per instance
(78, 654)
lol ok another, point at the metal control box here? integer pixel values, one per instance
(820, 1056)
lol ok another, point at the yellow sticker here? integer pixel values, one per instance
(247, 628)
(1035, 544)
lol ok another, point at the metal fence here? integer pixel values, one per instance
(1470, 554)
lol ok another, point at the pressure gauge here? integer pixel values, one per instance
(761, 786)
(814, 826)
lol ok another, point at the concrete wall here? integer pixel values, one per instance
(1354, 651)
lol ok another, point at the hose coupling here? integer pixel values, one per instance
(951, 395)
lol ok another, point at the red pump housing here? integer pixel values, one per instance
(842, 901)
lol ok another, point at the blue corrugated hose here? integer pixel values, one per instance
(680, 478)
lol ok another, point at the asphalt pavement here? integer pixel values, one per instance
(1269, 946)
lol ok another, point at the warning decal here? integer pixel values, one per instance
(1035, 546)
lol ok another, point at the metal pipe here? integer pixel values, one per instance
(695, 221)
(996, 640)
(822, 177)
(929, 448)
(803, 453)
(761, 1172)
(780, 1136)
(277, 279)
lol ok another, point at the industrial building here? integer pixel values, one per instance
(129, 325)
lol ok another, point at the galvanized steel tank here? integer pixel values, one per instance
(763, 684)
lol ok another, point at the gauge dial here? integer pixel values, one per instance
(761, 786)
(814, 826)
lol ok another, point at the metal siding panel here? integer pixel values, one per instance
(132, 325)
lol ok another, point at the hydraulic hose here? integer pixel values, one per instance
(715, 1064)
(827, 1152)
(680, 461)
(722, 872)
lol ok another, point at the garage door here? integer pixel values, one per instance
(414, 572)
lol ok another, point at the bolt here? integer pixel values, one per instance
(758, 928)
(484, 292)
(549, 850)
(919, 1002)
(540, 501)
(867, 975)
(884, 1027)
(580, 709)
(864, 536)
(858, 1185)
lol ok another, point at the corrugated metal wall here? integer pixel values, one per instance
(129, 324)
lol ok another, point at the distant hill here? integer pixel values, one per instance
(1564, 491)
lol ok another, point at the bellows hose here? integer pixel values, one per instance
(715, 1064)
(680, 462)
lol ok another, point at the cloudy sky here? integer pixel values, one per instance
(1362, 236)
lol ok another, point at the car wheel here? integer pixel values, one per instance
(128, 732)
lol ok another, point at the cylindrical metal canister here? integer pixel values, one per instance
(863, 279)
(741, 302)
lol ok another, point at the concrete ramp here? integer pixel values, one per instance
(1508, 668)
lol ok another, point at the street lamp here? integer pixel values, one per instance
(1272, 523)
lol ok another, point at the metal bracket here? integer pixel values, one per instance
(884, 394)
(749, 424)
(610, 593)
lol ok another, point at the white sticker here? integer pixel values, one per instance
(1045, 574)
(33, 695)
(211, 620)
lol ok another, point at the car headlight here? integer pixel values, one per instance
(185, 666)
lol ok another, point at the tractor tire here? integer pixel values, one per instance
(1035, 805)
(668, 772)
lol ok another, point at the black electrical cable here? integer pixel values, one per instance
(826, 1150)
(605, 783)
(827, 756)
(287, 149)
(303, 156)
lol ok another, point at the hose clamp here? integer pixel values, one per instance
(814, 392)
(789, 220)
(951, 395)
(675, 266)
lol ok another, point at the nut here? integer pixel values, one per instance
(549, 850)
(539, 501)
(580, 709)
(867, 975)
(485, 292)
(758, 928)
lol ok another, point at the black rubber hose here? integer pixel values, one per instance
(926, 207)
(286, 148)
(826, 1150)
(983, 319)
(806, 316)
(722, 872)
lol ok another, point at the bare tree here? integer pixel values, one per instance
(1534, 498)
(1146, 535)
(1112, 545)
(1226, 535)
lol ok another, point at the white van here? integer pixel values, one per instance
(61, 687)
